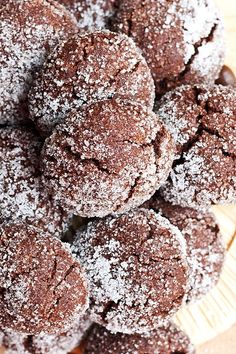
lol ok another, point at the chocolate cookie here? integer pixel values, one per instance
(204, 245)
(105, 158)
(202, 120)
(182, 41)
(42, 285)
(18, 343)
(87, 68)
(91, 14)
(21, 194)
(167, 339)
(28, 32)
(136, 266)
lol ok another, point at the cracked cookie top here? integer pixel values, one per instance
(21, 194)
(42, 343)
(136, 266)
(91, 14)
(182, 41)
(202, 120)
(167, 339)
(204, 245)
(87, 68)
(42, 285)
(108, 157)
(28, 31)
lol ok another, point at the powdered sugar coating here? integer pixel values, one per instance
(167, 339)
(21, 194)
(204, 245)
(42, 285)
(91, 14)
(182, 40)
(136, 268)
(202, 120)
(87, 68)
(108, 157)
(28, 31)
(18, 343)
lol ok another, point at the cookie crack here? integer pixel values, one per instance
(58, 298)
(165, 82)
(93, 161)
(198, 45)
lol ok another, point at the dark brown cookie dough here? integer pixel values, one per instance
(87, 68)
(91, 14)
(105, 158)
(28, 31)
(202, 120)
(18, 343)
(167, 339)
(42, 285)
(226, 77)
(204, 245)
(136, 266)
(21, 194)
(182, 41)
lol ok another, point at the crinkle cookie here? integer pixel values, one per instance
(202, 120)
(91, 14)
(21, 194)
(167, 339)
(42, 343)
(205, 247)
(90, 67)
(182, 40)
(108, 157)
(29, 30)
(42, 286)
(137, 270)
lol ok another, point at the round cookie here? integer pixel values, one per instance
(108, 157)
(204, 245)
(21, 194)
(202, 120)
(28, 32)
(42, 285)
(182, 41)
(136, 266)
(63, 343)
(91, 14)
(167, 339)
(87, 68)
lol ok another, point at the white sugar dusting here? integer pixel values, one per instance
(110, 168)
(105, 65)
(115, 266)
(21, 194)
(23, 43)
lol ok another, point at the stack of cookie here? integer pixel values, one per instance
(115, 142)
